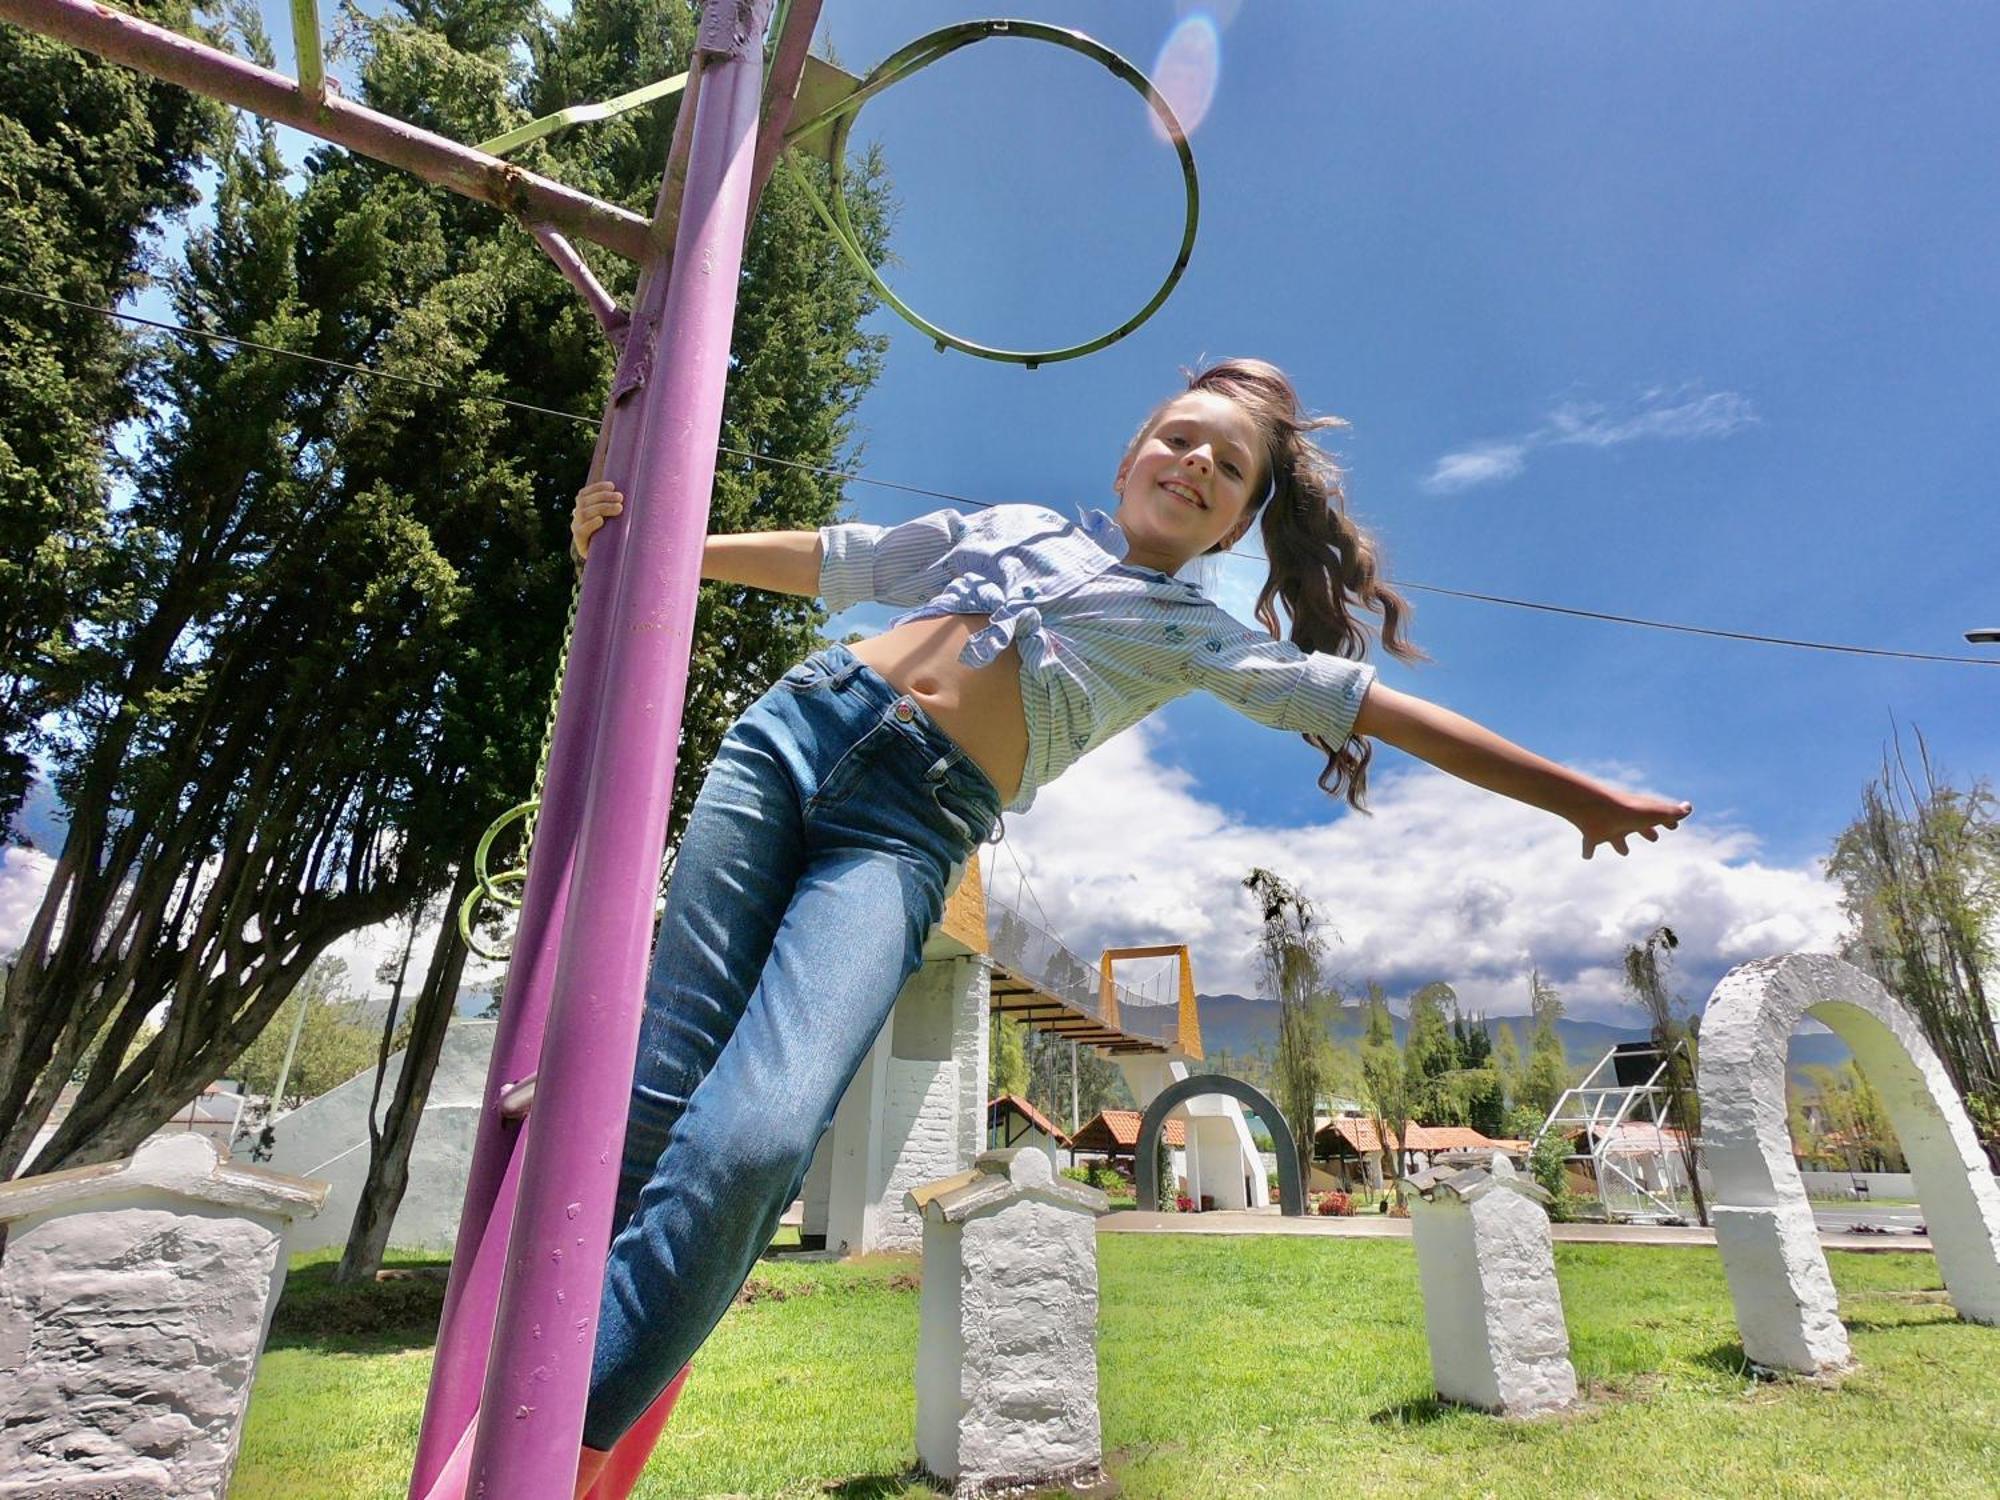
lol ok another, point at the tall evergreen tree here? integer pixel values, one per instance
(93, 157)
(343, 595)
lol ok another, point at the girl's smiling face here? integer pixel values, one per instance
(1190, 482)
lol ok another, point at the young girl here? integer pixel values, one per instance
(838, 808)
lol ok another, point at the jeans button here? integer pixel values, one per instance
(905, 710)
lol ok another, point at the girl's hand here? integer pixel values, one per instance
(1614, 816)
(594, 502)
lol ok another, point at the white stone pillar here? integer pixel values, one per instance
(134, 1300)
(1492, 1311)
(1222, 1157)
(1007, 1342)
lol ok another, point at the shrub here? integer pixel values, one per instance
(1335, 1206)
(1109, 1180)
(1546, 1166)
(1085, 1175)
(1183, 1204)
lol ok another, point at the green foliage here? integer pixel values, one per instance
(341, 1037)
(1547, 1073)
(1385, 1081)
(1546, 1166)
(1292, 949)
(1009, 1066)
(1855, 1134)
(1508, 1064)
(93, 158)
(1919, 873)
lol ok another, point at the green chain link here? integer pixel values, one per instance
(496, 888)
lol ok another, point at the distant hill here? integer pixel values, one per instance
(1243, 1023)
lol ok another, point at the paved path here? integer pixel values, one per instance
(1368, 1226)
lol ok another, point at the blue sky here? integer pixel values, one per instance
(1703, 292)
(1684, 312)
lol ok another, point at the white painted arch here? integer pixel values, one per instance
(1778, 1278)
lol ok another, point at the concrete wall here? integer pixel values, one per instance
(1842, 1184)
(915, 1112)
(327, 1138)
(920, 1144)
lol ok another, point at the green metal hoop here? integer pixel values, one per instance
(920, 54)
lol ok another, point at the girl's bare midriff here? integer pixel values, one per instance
(979, 707)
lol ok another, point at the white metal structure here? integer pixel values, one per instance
(1623, 1109)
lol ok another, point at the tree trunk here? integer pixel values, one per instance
(389, 1158)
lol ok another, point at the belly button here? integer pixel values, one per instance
(924, 687)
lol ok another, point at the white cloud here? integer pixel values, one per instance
(1443, 882)
(1484, 464)
(1686, 415)
(1681, 414)
(24, 875)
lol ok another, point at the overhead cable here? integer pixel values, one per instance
(853, 477)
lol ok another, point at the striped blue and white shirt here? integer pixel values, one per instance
(1102, 643)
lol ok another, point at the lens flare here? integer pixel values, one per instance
(1187, 69)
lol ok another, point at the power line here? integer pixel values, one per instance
(316, 359)
(851, 477)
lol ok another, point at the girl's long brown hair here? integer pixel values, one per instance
(1323, 566)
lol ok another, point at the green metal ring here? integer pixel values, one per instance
(489, 884)
(920, 54)
(470, 905)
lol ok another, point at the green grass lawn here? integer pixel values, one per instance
(1229, 1366)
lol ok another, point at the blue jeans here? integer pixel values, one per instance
(816, 861)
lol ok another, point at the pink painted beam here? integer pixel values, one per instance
(781, 90)
(221, 75)
(532, 1404)
(612, 318)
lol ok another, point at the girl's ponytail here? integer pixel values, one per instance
(1324, 568)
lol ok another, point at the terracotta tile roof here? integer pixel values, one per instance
(1118, 1130)
(1447, 1138)
(1357, 1134)
(1016, 1105)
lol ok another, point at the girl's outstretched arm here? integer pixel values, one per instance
(784, 562)
(1471, 752)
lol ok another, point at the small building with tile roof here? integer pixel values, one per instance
(1012, 1121)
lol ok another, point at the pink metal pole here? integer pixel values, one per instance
(535, 1388)
(220, 75)
(471, 1300)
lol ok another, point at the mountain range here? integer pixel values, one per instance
(1240, 1024)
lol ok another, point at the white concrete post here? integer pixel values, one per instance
(134, 1300)
(1492, 1310)
(1007, 1344)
